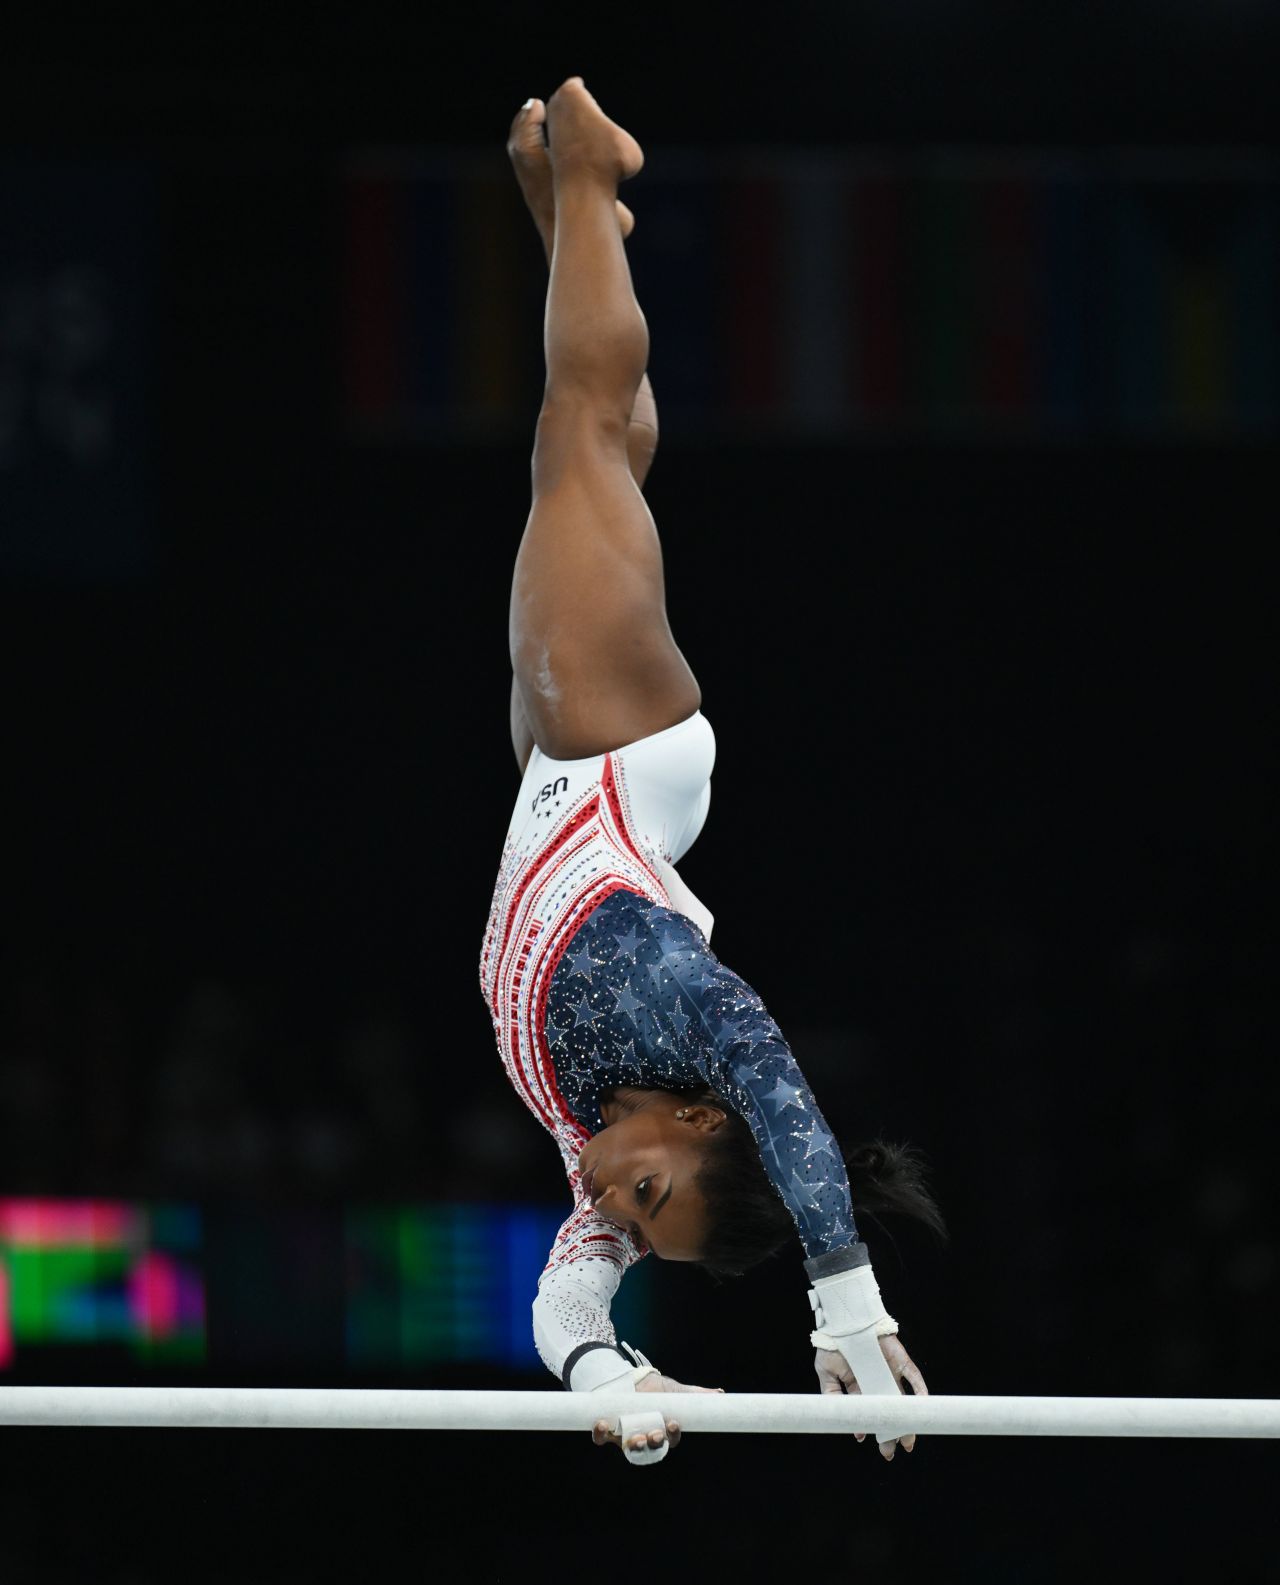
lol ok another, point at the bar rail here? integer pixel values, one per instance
(345, 1408)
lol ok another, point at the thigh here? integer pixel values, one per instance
(521, 731)
(595, 662)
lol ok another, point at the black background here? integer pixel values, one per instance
(1028, 686)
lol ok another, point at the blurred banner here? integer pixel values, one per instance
(77, 274)
(368, 1287)
(1003, 295)
(100, 1272)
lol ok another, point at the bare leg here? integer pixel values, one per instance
(595, 663)
(527, 150)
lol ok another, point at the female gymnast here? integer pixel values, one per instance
(685, 1125)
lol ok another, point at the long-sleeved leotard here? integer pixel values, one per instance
(595, 982)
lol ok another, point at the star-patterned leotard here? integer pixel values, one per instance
(595, 981)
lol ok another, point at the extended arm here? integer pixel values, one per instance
(743, 1056)
(571, 1320)
(574, 1333)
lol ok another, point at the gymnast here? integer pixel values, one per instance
(685, 1125)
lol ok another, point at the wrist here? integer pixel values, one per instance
(837, 1260)
(847, 1303)
(596, 1365)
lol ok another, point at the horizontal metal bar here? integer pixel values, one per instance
(325, 1408)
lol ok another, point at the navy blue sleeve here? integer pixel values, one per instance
(740, 1052)
(641, 999)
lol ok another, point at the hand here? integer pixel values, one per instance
(647, 1446)
(835, 1376)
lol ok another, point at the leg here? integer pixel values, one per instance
(595, 663)
(527, 149)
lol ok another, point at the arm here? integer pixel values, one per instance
(571, 1321)
(744, 1057)
(741, 1053)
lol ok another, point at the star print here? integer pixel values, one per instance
(627, 943)
(819, 1145)
(585, 1013)
(803, 1192)
(679, 1018)
(627, 1003)
(783, 1094)
(583, 963)
(555, 1032)
(655, 973)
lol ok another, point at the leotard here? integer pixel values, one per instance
(598, 974)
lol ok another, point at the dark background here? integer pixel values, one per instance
(1026, 684)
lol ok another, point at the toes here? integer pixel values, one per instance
(526, 135)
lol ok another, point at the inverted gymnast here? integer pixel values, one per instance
(685, 1125)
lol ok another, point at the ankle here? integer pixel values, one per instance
(582, 173)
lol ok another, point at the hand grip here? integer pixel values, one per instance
(641, 1423)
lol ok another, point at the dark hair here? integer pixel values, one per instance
(747, 1220)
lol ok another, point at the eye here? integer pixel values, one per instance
(642, 1191)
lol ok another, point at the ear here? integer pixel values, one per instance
(706, 1119)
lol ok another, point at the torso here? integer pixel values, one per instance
(569, 848)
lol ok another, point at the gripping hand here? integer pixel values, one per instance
(857, 1350)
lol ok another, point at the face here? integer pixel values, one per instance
(640, 1172)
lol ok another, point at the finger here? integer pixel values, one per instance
(918, 1386)
(673, 1433)
(852, 1387)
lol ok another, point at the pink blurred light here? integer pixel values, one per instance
(44, 1224)
(6, 1325)
(154, 1295)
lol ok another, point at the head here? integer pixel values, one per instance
(643, 1169)
(681, 1170)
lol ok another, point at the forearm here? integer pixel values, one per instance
(571, 1323)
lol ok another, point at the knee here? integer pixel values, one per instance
(576, 431)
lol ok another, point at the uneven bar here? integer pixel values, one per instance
(331, 1409)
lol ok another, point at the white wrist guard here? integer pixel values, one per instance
(851, 1320)
(603, 1367)
(846, 1304)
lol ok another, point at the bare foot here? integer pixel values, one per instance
(583, 138)
(527, 150)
